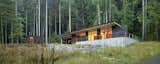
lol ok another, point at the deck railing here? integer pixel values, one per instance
(111, 42)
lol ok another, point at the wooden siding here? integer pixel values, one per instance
(119, 32)
(82, 34)
(92, 34)
(106, 33)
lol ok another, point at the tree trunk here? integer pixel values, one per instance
(26, 23)
(46, 31)
(55, 24)
(60, 20)
(110, 10)
(106, 11)
(34, 22)
(69, 2)
(36, 19)
(143, 15)
(12, 32)
(106, 16)
(2, 36)
(39, 17)
(99, 16)
(159, 32)
(6, 31)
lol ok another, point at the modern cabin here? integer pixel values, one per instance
(100, 32)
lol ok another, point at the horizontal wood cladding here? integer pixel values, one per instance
(92, 34)
(96, 34)
(106, 33)
(82, 34)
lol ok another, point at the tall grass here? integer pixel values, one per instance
(21, 54)
(38, 54)
(134, 54)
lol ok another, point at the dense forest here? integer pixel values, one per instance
(49, 19)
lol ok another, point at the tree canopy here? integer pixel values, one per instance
(21, 18)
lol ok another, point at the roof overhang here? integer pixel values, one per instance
(68, 35)
(96, 27)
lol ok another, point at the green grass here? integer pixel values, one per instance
(129, 55)
(22, 54)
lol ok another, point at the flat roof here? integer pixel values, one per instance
(96, 27)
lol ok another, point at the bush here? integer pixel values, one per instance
(54, 38)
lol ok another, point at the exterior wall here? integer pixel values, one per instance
(119, 32)
(92, 34)
(106, 33)
(112, 42)
(81, 37)
(102, 34)
(82, 34)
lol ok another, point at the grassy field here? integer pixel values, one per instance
(22, 54)
(134, 54)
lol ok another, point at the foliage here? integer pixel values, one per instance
(84, 13)
(11, 27)
(54, 38)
